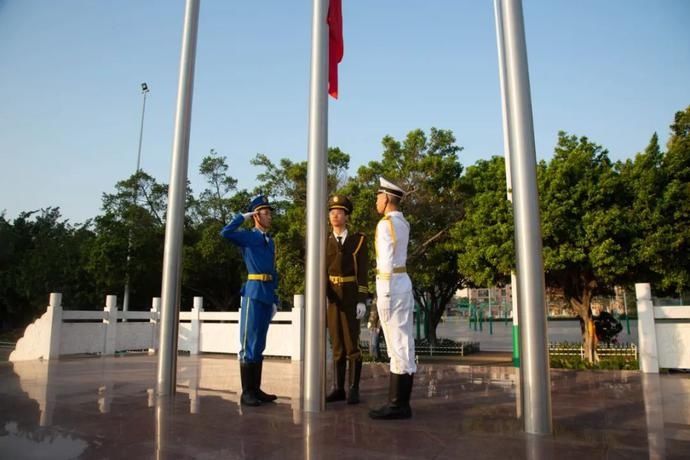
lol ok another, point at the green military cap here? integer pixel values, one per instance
(340, 202)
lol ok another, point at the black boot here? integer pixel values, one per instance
(398, 406)
(355, 372)
(249, 384)
(260, 395)
(338, 393)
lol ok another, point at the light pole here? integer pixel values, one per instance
(144, 91)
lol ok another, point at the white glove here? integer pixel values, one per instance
(275, 310)
(361, 310)
(248, 215)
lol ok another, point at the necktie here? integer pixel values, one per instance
(340, 241)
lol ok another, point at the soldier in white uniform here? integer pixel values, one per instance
(395, 302)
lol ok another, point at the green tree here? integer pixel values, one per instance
(40, 253)
(133, 222)
(675, 206)
(645, 181)
(212, 267)
(136, 195)
(483, 239)
(427, 167)
(658, 185)
(215, 202)
(585, 226)
(286, 185)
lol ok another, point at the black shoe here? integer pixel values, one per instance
(247, 375)
(249, 399)
(398, 406)
(390, 412)
(338, 394)
(353, 395)
(260, 395)
(355, 372)
(265, 397)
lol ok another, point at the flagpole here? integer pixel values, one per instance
(498, 10)
(534, 356)
(315, 340)
(174, 225)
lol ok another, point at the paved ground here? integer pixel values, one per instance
(106, 408)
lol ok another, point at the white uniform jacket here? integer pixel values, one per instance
(394, 302)
(392, 238)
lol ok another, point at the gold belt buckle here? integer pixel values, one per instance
(342, 279)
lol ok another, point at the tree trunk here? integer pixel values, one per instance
(589, 341)
(432, 303)
(433, 340)
(589, 337)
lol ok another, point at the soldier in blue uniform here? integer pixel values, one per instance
(259, 297)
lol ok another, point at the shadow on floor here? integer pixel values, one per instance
(106, 408)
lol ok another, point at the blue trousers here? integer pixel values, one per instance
(255, 317)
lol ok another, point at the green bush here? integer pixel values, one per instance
(609, 363)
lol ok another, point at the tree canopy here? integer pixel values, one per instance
(428, 169)
(604, 223)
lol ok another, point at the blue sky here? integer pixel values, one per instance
(70, 102)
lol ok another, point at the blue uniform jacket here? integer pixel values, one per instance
(259, 258)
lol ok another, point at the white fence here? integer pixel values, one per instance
(604, 351)
(62, 332)
(664, 333)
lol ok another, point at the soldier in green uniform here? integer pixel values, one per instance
(347, 263)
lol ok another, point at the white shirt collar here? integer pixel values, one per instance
(264, 234)
(343, 235)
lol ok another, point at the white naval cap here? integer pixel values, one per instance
(389, 188)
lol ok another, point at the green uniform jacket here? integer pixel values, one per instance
(347, 269)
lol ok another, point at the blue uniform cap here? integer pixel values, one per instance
(258, 203)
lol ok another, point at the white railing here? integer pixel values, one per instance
(604, 351)
(66, 332)
(664, 333)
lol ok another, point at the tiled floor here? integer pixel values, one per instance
(106, 408)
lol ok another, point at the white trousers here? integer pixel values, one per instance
(396, 314)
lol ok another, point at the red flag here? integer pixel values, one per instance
(336, 46)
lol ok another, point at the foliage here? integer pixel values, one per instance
(215, 202)
(676, 205)
(40, 253)
(577, 363)
(645, 181)
(483, 240)
(212, 268)
(603, 224)
(428, 169)
(129, 240)
(586, 236)
(286, 184)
